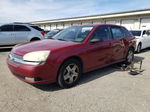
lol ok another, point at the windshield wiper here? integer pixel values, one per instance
(62, 39)
(51, 38)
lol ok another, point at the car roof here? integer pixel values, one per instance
(96, 25)
(19, 24)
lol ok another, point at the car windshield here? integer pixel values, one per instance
(136, 33)
(74, 33)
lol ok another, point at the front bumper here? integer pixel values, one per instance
(34, 74)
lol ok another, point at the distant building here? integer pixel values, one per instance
(136, 19)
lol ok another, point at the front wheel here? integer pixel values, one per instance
(130, 56)
(139, 48)
(69, 73)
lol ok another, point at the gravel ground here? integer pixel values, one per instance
(104, 90)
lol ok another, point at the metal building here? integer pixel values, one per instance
(136, 19)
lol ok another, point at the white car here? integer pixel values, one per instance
(142, 39)
(16, 33)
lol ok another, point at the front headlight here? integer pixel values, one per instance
(37, 56)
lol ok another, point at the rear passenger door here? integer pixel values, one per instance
(21, 33)
(6, 37)
(118, 43)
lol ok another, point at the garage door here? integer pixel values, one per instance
(110, 22)
(53, 26)
(145, 23)
(97, 22)
(42, 27)
(129, 24)
(77, 23)
(47, 27)
(86, 22)
(66, 25)
(60, 26)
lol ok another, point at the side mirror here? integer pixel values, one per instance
(94, 40)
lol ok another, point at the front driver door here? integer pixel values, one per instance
(99, 48)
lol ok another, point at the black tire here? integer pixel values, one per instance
(129, 57)
(139, 48)
(69, 73)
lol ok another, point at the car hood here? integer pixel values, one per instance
(46, 44)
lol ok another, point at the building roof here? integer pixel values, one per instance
(99, 16)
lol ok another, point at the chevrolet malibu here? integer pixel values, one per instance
(73, 51)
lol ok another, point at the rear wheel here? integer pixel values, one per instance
(69, 73)
(130, 56)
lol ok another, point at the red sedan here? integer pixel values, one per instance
(71, 52)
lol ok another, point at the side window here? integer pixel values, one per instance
(126, 33)
(20, 28)
(117, 32)
(37, 28)
(6, 28)
(101, 33)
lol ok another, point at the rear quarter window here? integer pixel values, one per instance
(37, 28)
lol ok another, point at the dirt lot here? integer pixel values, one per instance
(104, 90)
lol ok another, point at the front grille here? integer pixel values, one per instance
(15, 58)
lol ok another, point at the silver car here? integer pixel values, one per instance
(16, 33)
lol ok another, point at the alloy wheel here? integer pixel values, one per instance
(130, 56)
(71, 73)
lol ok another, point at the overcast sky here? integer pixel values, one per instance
(37, 10)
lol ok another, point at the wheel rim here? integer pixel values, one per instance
(130, 56)
(71, 73)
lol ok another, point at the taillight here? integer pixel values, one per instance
(43, 33)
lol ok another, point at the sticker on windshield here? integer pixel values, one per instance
(87, 28)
